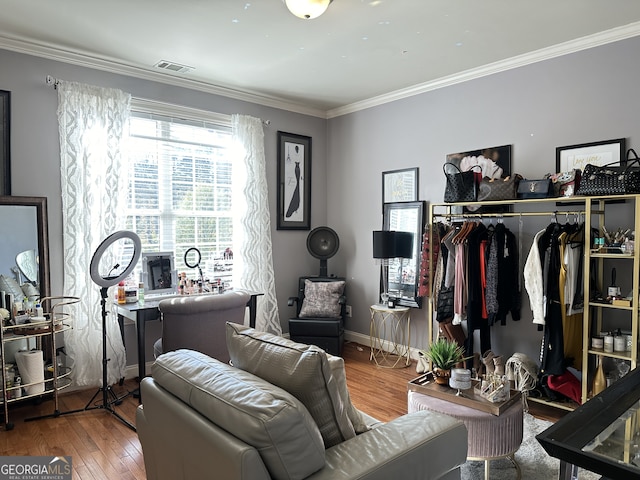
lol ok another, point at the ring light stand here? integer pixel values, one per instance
(196, 264)
(109, 397)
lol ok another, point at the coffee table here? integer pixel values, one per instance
(494, 429)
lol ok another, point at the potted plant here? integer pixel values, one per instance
(443, 355)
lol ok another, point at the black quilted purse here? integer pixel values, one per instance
(461, 186)
(611, 179)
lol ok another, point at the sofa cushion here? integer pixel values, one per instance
(358, 421)
(260, 414)
(321, 299)
(302, 370)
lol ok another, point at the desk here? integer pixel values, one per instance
(140, 314)
(385, 320)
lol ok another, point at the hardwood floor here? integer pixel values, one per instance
(102, 447)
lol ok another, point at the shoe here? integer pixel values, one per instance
(487, 360)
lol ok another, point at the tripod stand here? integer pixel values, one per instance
(109, 397)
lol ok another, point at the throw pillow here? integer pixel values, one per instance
(302, 370)
(337, 370)
(321, 299)
(9, 285)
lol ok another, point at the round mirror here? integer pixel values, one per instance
(115, 258)
(192, 257)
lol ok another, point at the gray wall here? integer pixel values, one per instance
(35, 165)
(582, 97)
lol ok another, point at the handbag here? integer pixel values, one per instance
(612, 178)
(498, 188)
(444, 305)
(461, 186)
(534, 188)
(566, 184)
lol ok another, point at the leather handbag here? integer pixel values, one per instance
(612, 178)
(535, 188)
(461, 186)
(566, 184)
(498, 188)
(444, 305)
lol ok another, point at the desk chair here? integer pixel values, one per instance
(320, 312)
(199, 322)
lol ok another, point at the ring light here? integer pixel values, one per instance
(109, 280)
(186, 255)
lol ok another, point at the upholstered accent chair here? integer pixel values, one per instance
(198, 322)
(320, 313)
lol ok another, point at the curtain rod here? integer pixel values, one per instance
(52, 81)
(510, 214)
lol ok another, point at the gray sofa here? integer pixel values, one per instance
(205, 419)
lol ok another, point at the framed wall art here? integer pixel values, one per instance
(495, 162)
(5, 138)
(294, 182)
(400, 185)
(595, 153)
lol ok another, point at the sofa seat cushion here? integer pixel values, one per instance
(262, 415)
(300, 369)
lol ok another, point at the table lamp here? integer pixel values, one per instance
(388, 245)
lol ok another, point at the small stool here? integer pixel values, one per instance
(489, 436)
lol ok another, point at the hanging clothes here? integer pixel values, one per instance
(570, 242)
(508, 275)
(533, 281)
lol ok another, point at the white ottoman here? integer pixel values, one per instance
(489, 436)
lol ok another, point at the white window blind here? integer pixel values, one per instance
(180, 182)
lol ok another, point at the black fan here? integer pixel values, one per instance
(323, 243)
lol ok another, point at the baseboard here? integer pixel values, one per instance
(365, 340)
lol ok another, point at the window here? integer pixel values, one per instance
(180, 177)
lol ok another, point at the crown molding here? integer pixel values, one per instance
(584, 43)
(112, 66)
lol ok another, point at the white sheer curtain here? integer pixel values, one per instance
(92, 123)
(252, 227)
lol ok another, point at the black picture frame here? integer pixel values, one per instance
(597, 153)
(5, 142)
(294, 182)
(400, 185)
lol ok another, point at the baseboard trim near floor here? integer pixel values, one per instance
(131, 371)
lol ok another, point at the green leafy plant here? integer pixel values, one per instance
(444, 354)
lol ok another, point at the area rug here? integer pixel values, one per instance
(533, 460)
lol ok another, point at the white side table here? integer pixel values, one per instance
(391, 325)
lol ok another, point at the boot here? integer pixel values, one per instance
(498, 363)
(487, 360)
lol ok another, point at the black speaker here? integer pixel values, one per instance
(323, 243)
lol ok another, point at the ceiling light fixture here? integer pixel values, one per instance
(307, 9)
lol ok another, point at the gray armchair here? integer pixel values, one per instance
(198, 323)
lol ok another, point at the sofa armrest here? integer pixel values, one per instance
(420, 445)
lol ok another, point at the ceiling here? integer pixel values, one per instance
(358, 54)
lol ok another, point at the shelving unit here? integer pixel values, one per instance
(594, 209)
(44, 333)
(595, 312)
